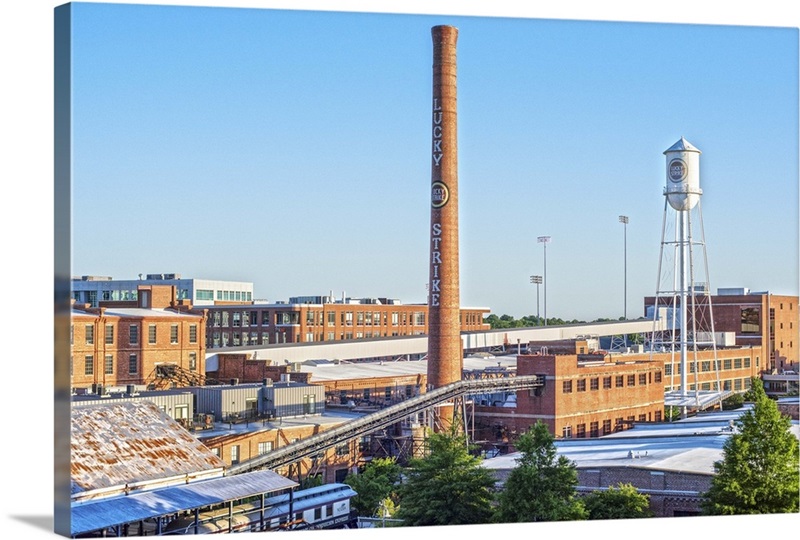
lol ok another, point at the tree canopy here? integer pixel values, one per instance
(759, 470)
(542, 485)
(622, 502)
(374, 484)
(446, 487)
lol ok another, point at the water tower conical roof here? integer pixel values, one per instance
(682, 146)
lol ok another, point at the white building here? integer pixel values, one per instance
(201, 292)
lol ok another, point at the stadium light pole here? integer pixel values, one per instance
(544, 240)
(624, 221)
(537, 280)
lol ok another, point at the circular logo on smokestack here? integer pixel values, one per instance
(439, 194)
(677, 170)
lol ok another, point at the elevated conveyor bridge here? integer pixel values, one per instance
(381, 419)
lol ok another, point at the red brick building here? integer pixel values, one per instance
(758, 319)
(333, 465)
(589, 395)
(114, 346)
(262, 324)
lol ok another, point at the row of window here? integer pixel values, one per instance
(619, 381)
(108, 364)
(315, 318)
(235, 339)
(727, 384)
(133, 334)
(594, 427)
(706, 365)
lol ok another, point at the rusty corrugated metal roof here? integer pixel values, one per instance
(118, 444)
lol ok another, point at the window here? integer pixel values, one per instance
(606, 427)
(151, 334)
(109, 364)
(264, 447)
(246, 318)
(566, 431)
(642, 418)
(331, 318)
(419, 318)
(751, 320)
(620, 381)
(747, 362)
(192, 333)
(109, 334)
(343, 449)
(594, 429)
(668, 369)
(309, 404)
(658, 376)
(566, 387)
(234, 454)
(88, 365)
(133, 334)
(581, 385)
(726, 363)
(90, 334)
(225, 318)
(606, 383)
(737, 363)
(594, 384)
(657, 416)
(359, 318)
(204, 294)
(192, 361)
(395, 318)
(581, 431)
(631, 380)
(237, 318)
(642, 379)
(133, 364)
(215, 318)
(254, 318)
(173, 334)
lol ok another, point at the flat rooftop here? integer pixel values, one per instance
(691, 445)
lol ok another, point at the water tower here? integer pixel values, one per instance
(683, 295)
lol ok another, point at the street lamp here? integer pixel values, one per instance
(545, 240)
(624, 221)
(537, 280)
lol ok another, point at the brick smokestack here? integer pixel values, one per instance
(445, 354)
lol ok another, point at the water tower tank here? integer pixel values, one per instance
(683, 175)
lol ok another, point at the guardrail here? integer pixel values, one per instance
(381, 419)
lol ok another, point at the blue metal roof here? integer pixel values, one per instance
(103, 513)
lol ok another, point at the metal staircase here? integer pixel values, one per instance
(381, 419)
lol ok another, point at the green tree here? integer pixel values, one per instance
(376, 482)
(446, 487)
(622, 502)
(542, 485)
(758, 473)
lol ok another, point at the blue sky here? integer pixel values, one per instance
(292, 149)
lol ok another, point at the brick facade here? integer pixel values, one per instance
(116, 347)
(262, 324)
(768, 321)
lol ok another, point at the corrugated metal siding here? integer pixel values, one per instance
(290, 400)
(166, 402)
